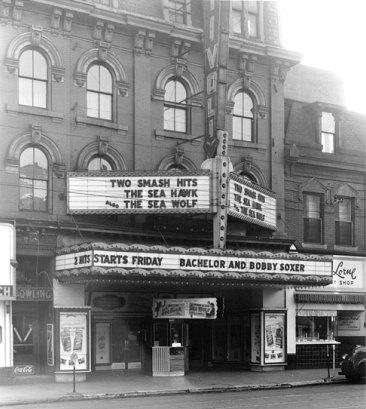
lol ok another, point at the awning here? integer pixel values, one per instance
(90, 262)
(316, 313)
(325, 298)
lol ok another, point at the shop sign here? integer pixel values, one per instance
(24, 370)
(224, 264)
(34, 294)
(139, 193)
(195, 308)
(349, 323)
(7, 262)
(252, 203)
(6, 292)
(347, 273)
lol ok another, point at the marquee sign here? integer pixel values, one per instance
(122, 259)
(252, 203)
(139, 192)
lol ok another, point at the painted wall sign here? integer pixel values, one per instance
(252, 203)
(34, 294)
(7, 256)
(151, 260)
(349, 323)
(23, 370)
(139, 192)
(197, 308)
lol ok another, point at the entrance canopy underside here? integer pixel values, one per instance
(158, 264)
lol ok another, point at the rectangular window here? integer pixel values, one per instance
(313, 219)
(344, 222)
(328, 132)
(179, 11)
(244, 18)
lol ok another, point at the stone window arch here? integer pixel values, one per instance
(255, 92)
(182, 74)
(37, 40)
(246, 168)
(35, 138)
(177, 162)
(100, 55)
(104, 150)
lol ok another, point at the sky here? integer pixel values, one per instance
(331, 34)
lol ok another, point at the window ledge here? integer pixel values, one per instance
(345, 248)
(162, 135)
(14, 110)
(243, 144)
(84, 121)
(314, 246)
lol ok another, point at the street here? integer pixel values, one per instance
(335, 396)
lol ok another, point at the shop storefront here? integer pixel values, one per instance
(333, 315)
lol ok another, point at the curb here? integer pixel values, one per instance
(71, 397)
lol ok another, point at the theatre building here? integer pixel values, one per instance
(143, 172)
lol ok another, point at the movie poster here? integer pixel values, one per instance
(73, 341)
(274, 336)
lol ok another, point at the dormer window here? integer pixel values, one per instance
(245, 18)
(328, 132)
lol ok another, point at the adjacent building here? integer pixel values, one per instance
(158, 171)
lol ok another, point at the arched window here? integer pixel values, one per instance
(243, 117)
(33, 79)
(175, 107)
(100, 163)
(99, 92)
(33, 180)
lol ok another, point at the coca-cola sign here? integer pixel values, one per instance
(24, 370)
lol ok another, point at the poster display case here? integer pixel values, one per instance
(72, 339)
(268, 331)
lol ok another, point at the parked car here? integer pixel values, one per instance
(353, 367)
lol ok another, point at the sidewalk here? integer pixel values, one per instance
(107, 385)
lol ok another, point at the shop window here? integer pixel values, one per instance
(344, 221)
(100, 163)
(243, 118)
(178, 11)
(313, 218)
(33, 180)
(33, 79)
(99, 92)
(245, 18)
(314, 327)
(175, 107)
(328, 132)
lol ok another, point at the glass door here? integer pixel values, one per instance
(126, 341)
(24, 340)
